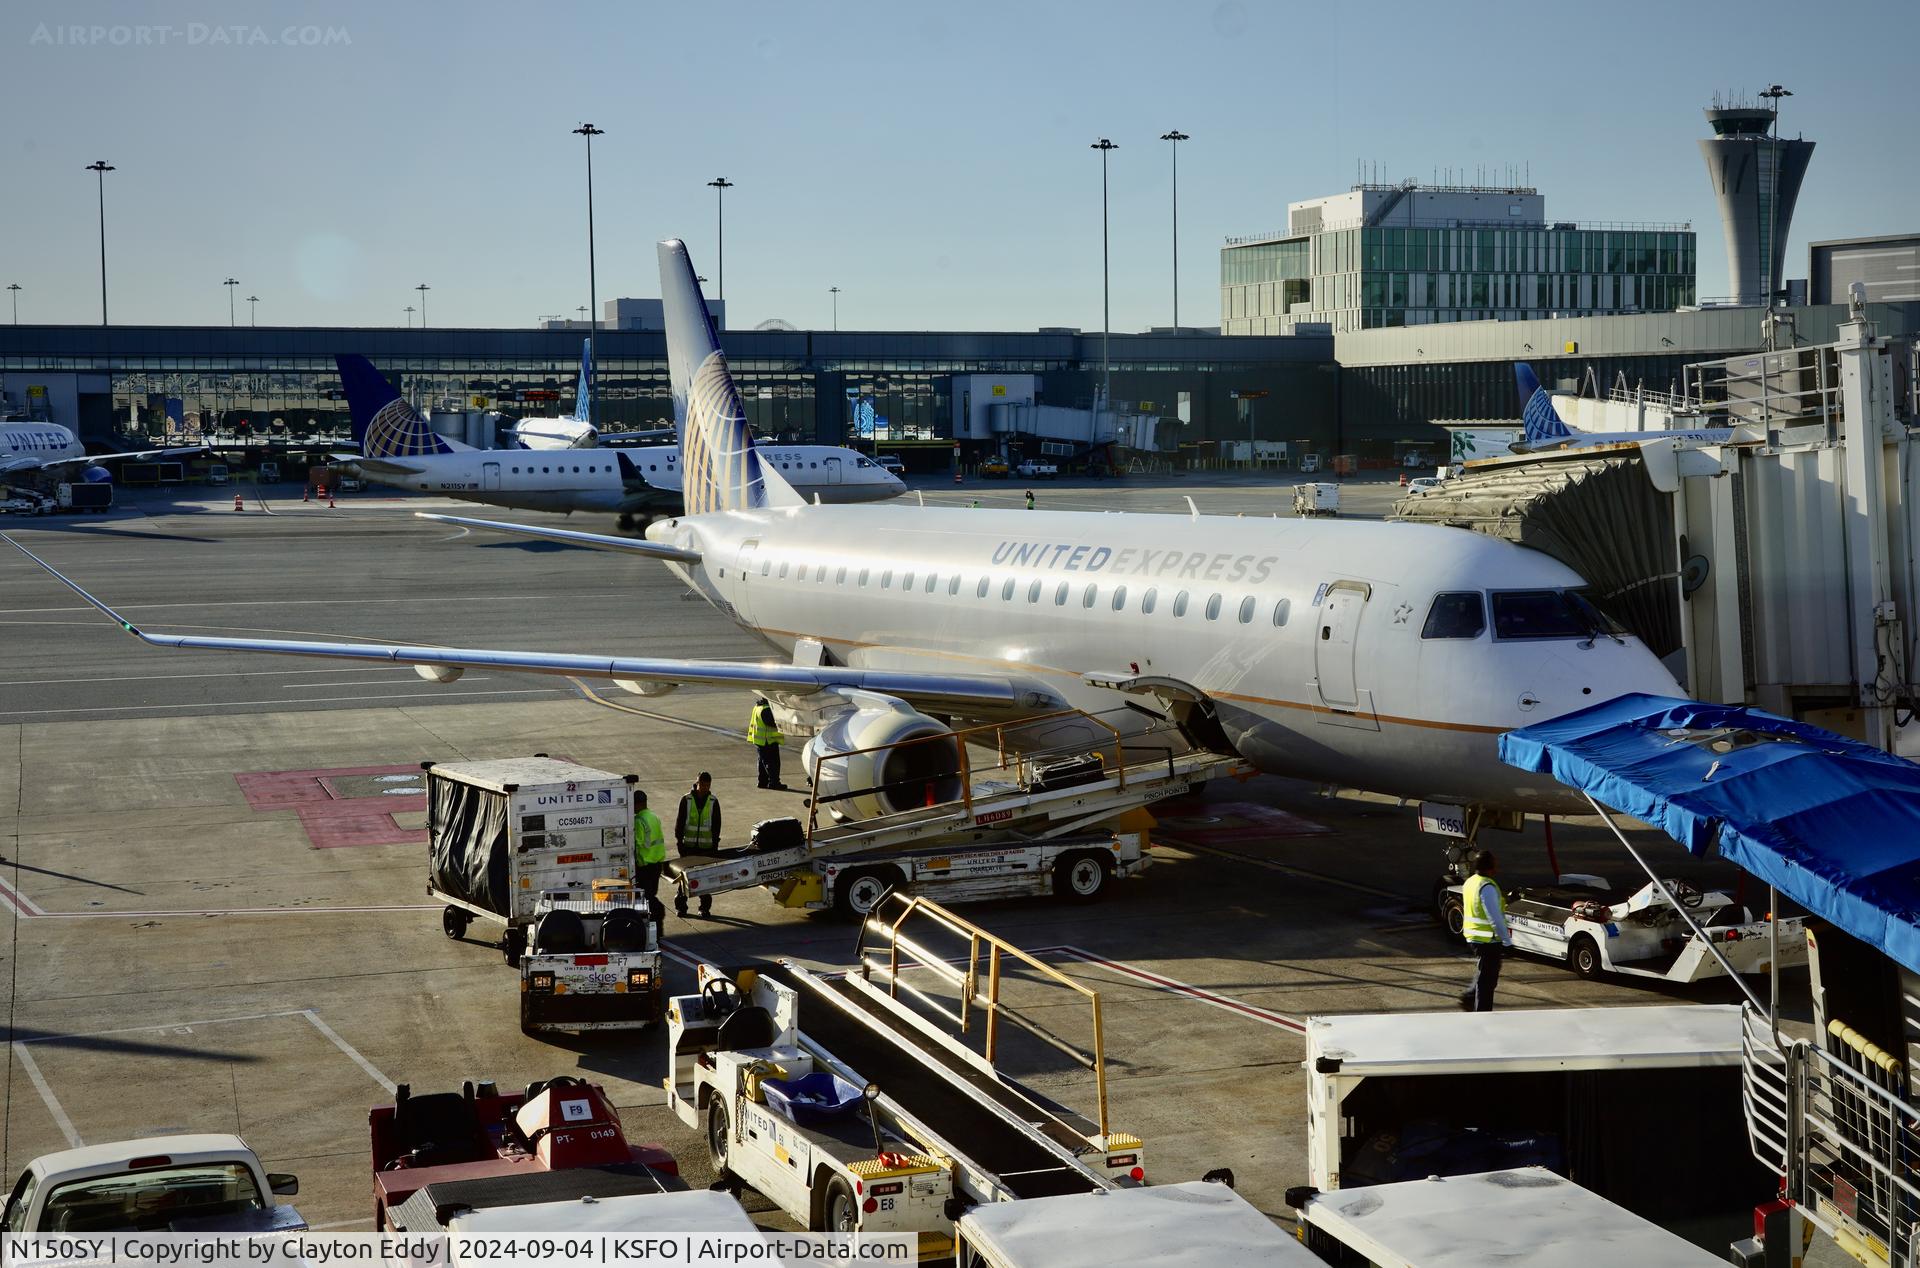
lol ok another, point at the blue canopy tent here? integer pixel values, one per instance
(1832, 823)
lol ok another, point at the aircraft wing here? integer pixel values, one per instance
(24, 463)
(378, 466)
(573, 537)
(945, 692)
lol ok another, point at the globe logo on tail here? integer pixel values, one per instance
(397, 431)
(722, 468)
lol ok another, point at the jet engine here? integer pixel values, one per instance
(882, 756)
(96, 475)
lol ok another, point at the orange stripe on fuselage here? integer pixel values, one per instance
(1427, 723)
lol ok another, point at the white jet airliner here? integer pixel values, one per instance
(1546, 432)
(1383, 656)
(576, 430)
(399, 449)
(47, 449)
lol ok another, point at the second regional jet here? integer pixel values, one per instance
(399, 449)
(1378, 655)
(1546, 432)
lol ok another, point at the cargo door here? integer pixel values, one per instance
(1341, 610)
(489, 475)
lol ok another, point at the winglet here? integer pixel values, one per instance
(51, 571)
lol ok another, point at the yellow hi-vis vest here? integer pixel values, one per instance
(760, 727)
(700, 824)
(649, 839)
(1476, 925)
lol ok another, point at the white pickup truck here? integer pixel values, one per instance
(163, 1184)
(1035, 469)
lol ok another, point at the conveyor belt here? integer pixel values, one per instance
(915, 1074)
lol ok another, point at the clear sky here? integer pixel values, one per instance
(930, 160)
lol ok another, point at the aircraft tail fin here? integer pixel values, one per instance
(384, 425)
(720, 469)
(1543, 423)
(583, 396)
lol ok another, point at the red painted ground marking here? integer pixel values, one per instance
(332, 821)
(1214, 822)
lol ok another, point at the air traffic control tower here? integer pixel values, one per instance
(1756, 175)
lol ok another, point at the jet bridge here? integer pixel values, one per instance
(1777, 570)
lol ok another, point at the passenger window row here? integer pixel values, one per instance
(1089, 596)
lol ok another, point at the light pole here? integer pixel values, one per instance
(252, 313)
(1176, 136)
(423, 288)
(1774, 93)
(230, 283)
(15, 288)
(1105, 147)
(409, 312)
(720, 185)
(835, 292)
(100, 168)
(588, 131)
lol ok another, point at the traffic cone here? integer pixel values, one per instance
(238, 505)
(306, 493)
(1403, 479)
(330, 505)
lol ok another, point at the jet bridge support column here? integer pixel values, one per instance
(1874, 626)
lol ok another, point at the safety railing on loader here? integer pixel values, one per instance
(1016, 764)
(887, 964)
(1834, 1119)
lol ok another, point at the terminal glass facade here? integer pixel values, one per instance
(1361, 278)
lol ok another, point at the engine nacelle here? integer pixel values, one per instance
(910, 758)
(97, 475)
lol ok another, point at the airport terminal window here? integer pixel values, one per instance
(1246, 610)
(1033, 591)
(1548, 614)
(1147, 599)
(1213, 608)
(1280, 610)
(1180, 604)
(1119, 598)
(1093, 592)
(1455, 615)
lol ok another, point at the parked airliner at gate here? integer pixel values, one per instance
(1383, 656)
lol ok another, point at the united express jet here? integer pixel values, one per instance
(1377, 655)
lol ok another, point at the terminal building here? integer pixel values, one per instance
(902, 390)
(1409, 254)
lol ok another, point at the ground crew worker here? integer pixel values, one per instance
(1484, 924)
(696, 830)
(766, 739)
(1029, 499)
(649, 848)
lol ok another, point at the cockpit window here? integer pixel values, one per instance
(1550, 614)
(862, 462)
(1457, 614)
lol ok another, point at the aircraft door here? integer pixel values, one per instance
(830, 471)
(1341, 609)
(489, 475)
(748, 559)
